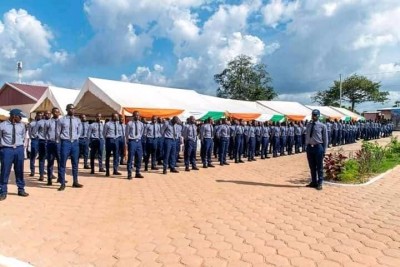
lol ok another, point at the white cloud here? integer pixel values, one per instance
(330, 8)
(279, 11)
(147, 76)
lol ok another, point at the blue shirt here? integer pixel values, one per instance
(52, 130)
(6, 134)
(238, 129)
(153, 130)
(68, 131)
(190, 132)
(122, 130)
(40, 129)
(290, 131)
(265, 131)
(134, 130)
(251, 131)
(297, 130)
(169, 131)
(111, 129)
(319, 134)
(206, 131)
(276, 131)
(96, 130)
(32, 130)
(85, 130)
(283, 130)
(223, 131)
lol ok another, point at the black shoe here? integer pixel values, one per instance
(146, 169)
(187, 169)
(92, 172)
(122, 163)
(267, 157)
(221, 164)
(236, 161)
(77, 185)
(31, 174)
(3, 197)
(154, 168)
(54, 177)
(117, 173)
(195, 168)
(174, 170)
(253, 159)
(49, 182)
(138, 175)
(241, 161)
(262, 157)
(102, 170)
(107, 174)
(164, 171)
(211, 166)
(129, 176)
(319, 187)
(86, 167)
(59, 181)
(41, 178)
(226, 163)
(312, 185)
(62, 187)
(205, 166)
(22, 194)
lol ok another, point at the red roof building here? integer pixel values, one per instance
(22, 96)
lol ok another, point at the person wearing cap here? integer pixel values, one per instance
(111, 134)
(96, 143)
(69, 135)
(317, 143)
(12, 135)
(134, 133)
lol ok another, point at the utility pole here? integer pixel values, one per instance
(340, 88)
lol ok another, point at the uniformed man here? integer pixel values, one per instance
(238, 130)
(169, 132)
(69, 135)
(84, 141)
(12, 135)
(42, 145)
(276, 134)
(190, 142)
(153, 134)
(96, 136)
(297, 136)
(290, 138)
(52, 131)
(317, 143)
(34, 141)
(265, 134)
(283, 138)
(111, 135)
(121, 140)
(134, 132)
(206, 138)
(223, 139)
(251, 141)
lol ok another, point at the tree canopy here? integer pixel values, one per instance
(355, 89)
(244, 80)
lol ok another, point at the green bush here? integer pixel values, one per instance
(350, 172)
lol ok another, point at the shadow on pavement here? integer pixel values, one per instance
(259, 184)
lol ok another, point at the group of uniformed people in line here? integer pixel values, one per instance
(157, 142)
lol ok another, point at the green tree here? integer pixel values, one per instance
(244, 80)
(355, 89)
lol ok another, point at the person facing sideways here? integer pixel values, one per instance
(69, 135)
(317, 143)
(12, 135)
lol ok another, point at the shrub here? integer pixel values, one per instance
(333, 165)
(350, 171)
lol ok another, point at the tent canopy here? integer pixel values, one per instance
(106, 96)
(55, 97)
(347, 113)
(327, 112)
(292, 110)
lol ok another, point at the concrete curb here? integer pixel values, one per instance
(371, 181)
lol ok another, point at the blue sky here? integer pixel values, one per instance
(306, 44)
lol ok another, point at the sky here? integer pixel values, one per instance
(306, 44)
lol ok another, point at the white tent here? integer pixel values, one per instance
(347, 114)
(292, 110)
(55, 97)
(107, 96)
(327, 112)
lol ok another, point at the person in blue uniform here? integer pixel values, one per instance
(34, 141)
(84, 141)
(169, 132)
(122, 140)
(134, 133)
(52, 131)
(317, 143)
(96, 143)
(41, 146)
(206, 138)
(238, 130)
(69, 135)
(265, 134)
(290, 138)
(12, 136)
(223, 134)
(111, 134)
(190, 142)
(153, 134)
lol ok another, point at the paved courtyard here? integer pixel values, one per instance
(253, 214)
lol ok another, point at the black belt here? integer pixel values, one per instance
(315, 145)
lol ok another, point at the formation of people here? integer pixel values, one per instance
(154, 143)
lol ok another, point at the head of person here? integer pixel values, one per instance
(121, 119)
(16, 115)
(114, 116)
(56, 113)
(83, 118)
(70, 109)
(192, 120)
(315, 115)
(154, 119)
(136, 115)
(98, 117)
(39, 116)
(47, 114)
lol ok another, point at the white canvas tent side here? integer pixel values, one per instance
(55, 97)
(348, 113)
(327, 112)
(292, 110)
(107, 96)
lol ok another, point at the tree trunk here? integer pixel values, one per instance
(352, 105)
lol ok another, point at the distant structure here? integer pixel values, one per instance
(19, 70)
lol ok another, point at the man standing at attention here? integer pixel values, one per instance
(317, 143)
(134, 134)
(69, 135)
(111, 134)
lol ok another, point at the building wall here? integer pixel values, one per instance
(10, 96)
(371, 116)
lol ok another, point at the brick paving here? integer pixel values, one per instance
(253, 214)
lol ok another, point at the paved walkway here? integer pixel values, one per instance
(253, 214)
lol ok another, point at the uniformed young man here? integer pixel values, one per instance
(153, 134)
(84, 141)
(96, 136)
(317, 143)
(41, 145)
(12, 135)
(34, 141)
(122, 140)
(206, 138)
(134, 134)
(52, 131)
(69, 135)
(223, 134)
(169, 132)
(190, 141)
(111, 135)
